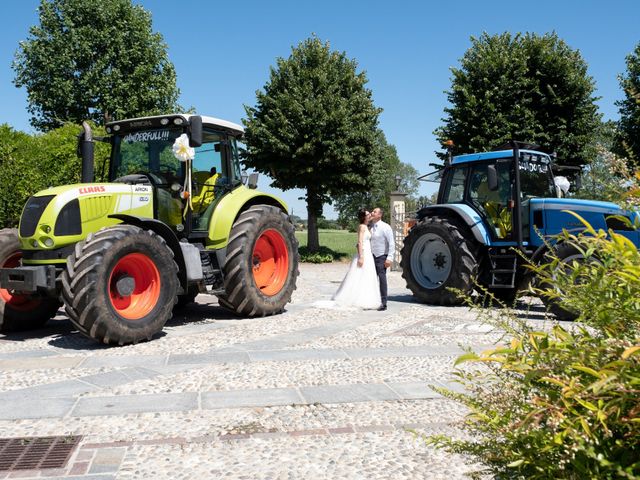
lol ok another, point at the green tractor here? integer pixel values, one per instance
(120, 255)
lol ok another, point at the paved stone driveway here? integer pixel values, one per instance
(312, 393)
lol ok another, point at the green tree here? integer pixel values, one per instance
(314, 127)
(380, 183)
(523, 87)
(628, 140)
(416, 203)
(94, 60)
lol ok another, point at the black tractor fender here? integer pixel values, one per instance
(459, 212)
(166, 233)
(550, 243)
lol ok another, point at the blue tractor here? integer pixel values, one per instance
(490, 205)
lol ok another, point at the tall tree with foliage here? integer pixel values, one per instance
(529, 87)
(381, 182)
(628, 141)
(94, 60)
(314, 127)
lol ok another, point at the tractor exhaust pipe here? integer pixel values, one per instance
(85, 151)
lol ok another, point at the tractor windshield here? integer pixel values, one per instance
(147, 151)
(535, 176)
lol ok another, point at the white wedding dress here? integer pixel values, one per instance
(360, 285)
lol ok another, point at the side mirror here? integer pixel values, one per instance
(492, 178)
(195, 131)
(252, 182)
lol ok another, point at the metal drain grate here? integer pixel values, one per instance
(36, 453)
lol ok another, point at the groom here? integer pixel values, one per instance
(383, 248)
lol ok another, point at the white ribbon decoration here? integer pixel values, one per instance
(562, 183)
(183, 152)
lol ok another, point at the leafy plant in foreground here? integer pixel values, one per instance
(562, 401)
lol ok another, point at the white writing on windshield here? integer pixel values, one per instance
(535, 167)
(154, 135)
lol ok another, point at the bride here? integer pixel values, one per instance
(360, 285)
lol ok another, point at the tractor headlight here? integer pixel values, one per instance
(34, 243)
(31, 214)
(47, 241)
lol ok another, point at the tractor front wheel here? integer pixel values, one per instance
(435, 258)
(262, 263)
(20, 311)
(120, 285)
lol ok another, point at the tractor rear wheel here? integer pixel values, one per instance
(20, 311)
(567, 254)
(120, 285)
(435, 258)
(261, 267)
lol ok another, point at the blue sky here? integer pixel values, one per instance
(222, 52)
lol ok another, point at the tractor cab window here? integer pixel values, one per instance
(235, 159)
(210, 176)
(492, 204)
(535, 177)
(147, 152)
(455, 187)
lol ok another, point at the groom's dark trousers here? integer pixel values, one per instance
(382, 277)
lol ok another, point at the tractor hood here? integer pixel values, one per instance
(550, 215)
(61, 216)
(581, 205)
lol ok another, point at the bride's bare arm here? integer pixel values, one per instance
(361, 230)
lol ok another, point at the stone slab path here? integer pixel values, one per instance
(312, 393)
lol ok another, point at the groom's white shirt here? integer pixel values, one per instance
(382, 242)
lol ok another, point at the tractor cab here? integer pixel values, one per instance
(499, 187)
(184, 193)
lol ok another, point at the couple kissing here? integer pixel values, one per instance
(365, 284)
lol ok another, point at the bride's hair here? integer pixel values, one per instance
(362, 215)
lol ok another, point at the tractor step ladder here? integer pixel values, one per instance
(503, 269)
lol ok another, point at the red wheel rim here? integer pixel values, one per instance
(270, 262)
(16, 301)
(146, 290)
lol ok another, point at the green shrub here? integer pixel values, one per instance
(324, 255)
(30, 163)
(562, 402)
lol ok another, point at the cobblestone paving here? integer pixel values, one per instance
(313, 393)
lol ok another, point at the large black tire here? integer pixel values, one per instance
(261, 236)
(431, 269)
(17, 311)
(138, 309)
(566, 253)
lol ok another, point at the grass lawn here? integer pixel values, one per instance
(342, 242)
